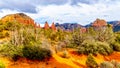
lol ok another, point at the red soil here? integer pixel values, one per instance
(25, 63)
(73, 61)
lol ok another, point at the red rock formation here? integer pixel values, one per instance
(46, 26)
(37, 25)
(18, 17)
(99, 23)
(53, 27)
(83, 30)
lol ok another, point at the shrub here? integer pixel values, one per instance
(104, 48)
(36, 52)
(2, 65)
(116, 64)
(1, 35)
(81, 50)
(7, 34)
(11, 51)
(106, 64)
(90, 62)
(117, 39)
(116, 46)
(88, 47)
(32, 52)
(93, 47)
(110, 64)
(1, 28)
(77, 37)
(65, 54)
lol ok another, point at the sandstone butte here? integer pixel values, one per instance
(24, 19)
(18, 17)
(99, 23)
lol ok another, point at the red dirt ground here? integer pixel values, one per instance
(73, 61)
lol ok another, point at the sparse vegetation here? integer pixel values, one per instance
(94, 48)
(28, 41)
(90, 62)
(110, 64)
(36, 52)
(25, 42)
(11, 51)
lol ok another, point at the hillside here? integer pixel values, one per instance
(18, 17)
(26, 46)
(68, 26)
(116, 25)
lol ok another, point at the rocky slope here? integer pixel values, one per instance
(18, 17)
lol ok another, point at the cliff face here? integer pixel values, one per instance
(18, 17)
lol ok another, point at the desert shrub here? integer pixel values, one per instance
(11, 26)
(11, 51)
(106, 64)
(116, 46)
(2, 64)
(1, 28)
(77, 38)
(28, 36)
(117, 35)
(90, 62)
(88, 47)
(36, 52)
(110, 64)
(95, 47)
(81, 50)
(65, 54)
(7, 34)
(1, 35)
(104, 48)
(4, 34)
(116, 64)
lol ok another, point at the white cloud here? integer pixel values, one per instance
(4, 12)
(81, 13)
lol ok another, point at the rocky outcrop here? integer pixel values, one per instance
(99, 23)
(18, 17)
(53, 27)
(46, 26)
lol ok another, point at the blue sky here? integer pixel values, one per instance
(61, 11)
